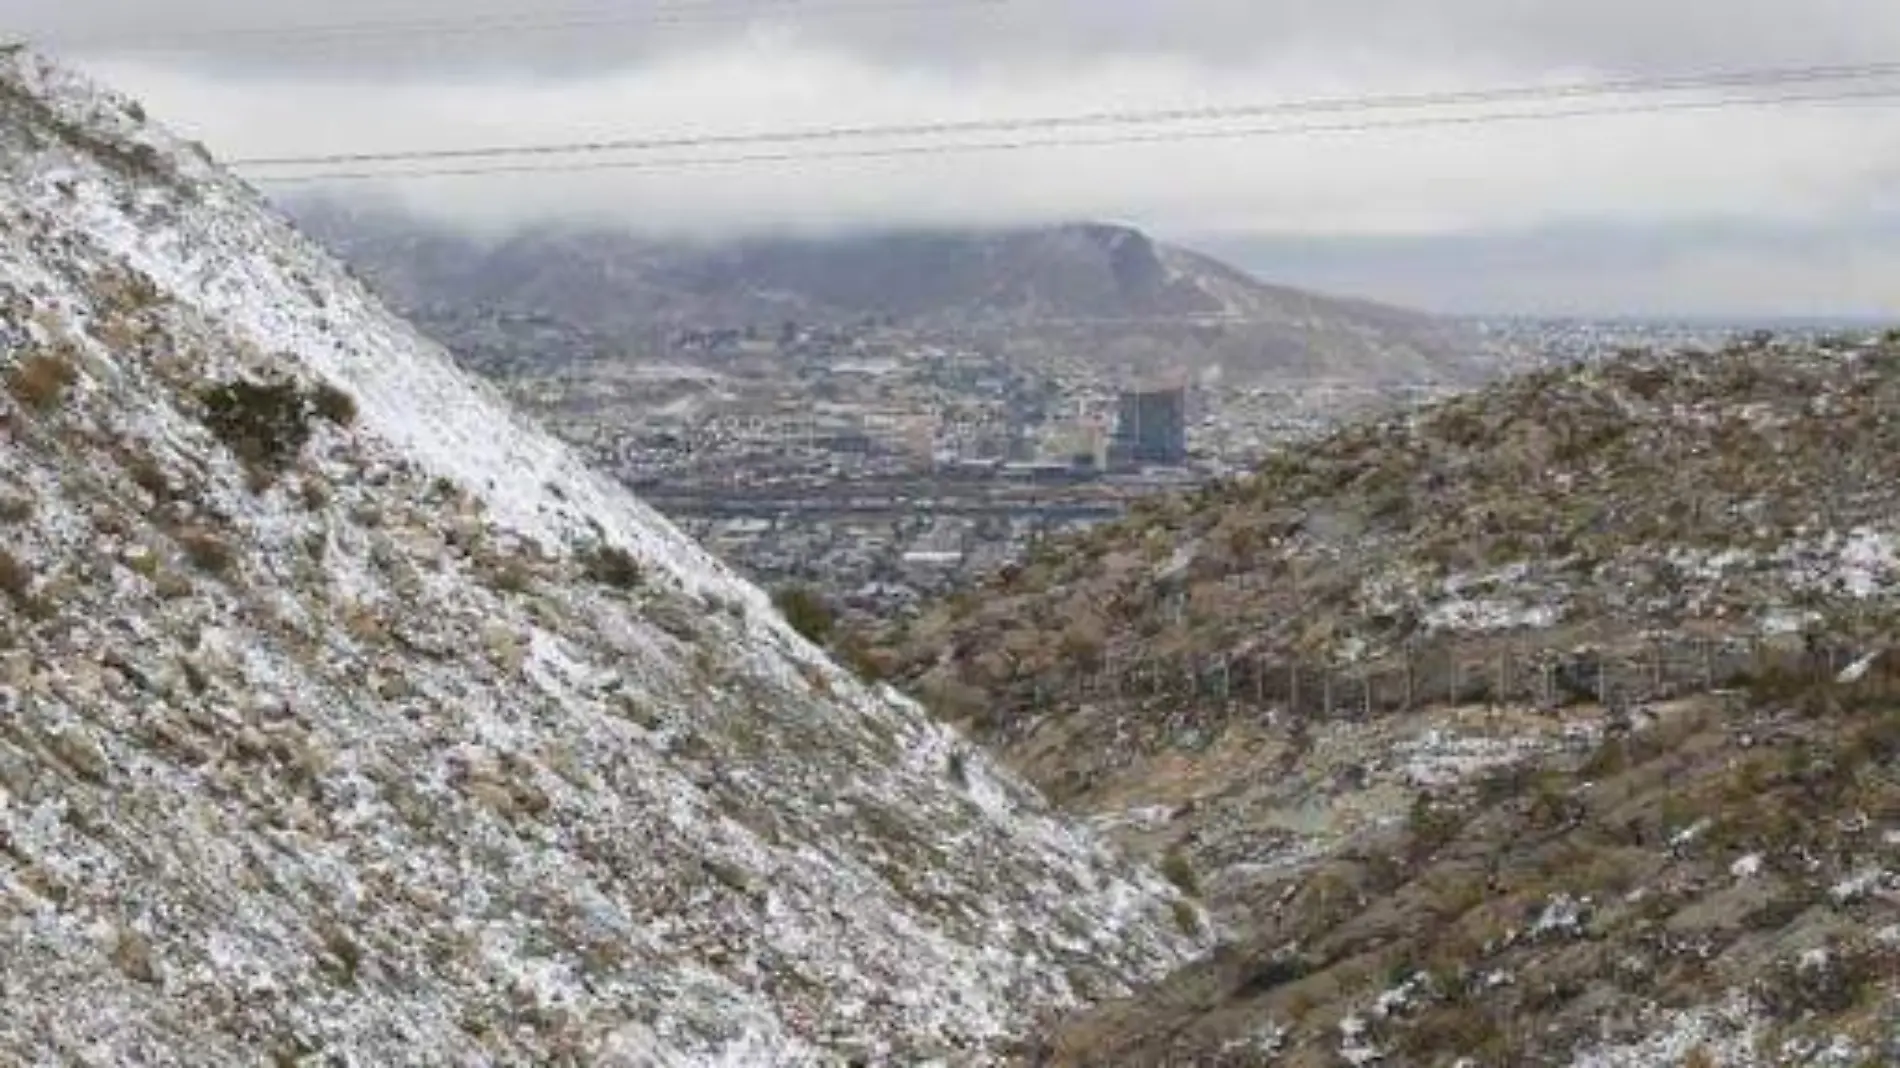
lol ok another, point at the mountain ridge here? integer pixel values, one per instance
(1104, 290)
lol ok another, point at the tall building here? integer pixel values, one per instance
(1153, 426)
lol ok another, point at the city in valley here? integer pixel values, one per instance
(885, 466)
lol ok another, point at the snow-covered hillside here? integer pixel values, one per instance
(415, 742)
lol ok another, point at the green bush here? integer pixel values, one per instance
(1177, 869)
(612, 566)
(267, 423)
(807, 612)
(331, 403)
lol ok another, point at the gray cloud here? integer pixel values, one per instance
(1530, 35)
(1737, 270)
(1785, 207)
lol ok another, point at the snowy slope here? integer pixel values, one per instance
(370, 758)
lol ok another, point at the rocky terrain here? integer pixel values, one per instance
(1110, 294)
(1719, 885)
(1740, 493)
(347, 718)
(1495, 873)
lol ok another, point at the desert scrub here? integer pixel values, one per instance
(147, 475)
(268, 423)
(206, 551)
(806, 611)
(611, 566)
(40, 380)
(16, 579)
(1186, 917)
(332, 404)
(264, 424)
(1176, 868)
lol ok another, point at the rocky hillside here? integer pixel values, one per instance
(1455, 864)
(346, 718)
(1106, 292)
(1745, 492)
(1718, 886)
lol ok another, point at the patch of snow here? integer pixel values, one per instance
(1400, 999)
(1858, 887)
(1689, 834)
(1562, 915)
(1489, 615)
(1857, 670)
(1728, 1032)
(1441, 758)
(1177, 563)
(1354, 1048)
(1862, 563)
(1145, 818)
(1265, 1038)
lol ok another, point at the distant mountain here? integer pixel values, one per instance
(1107, 292)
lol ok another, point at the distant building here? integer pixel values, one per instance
(1153, 427)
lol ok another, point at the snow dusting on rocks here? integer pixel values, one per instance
(347, 718)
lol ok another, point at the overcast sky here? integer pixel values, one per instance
(1757, 212)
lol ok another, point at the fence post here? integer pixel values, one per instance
(1409, 679)
(1293, 687)
(1326, 681)
(1603, 683)
(1260, 680)
(1365, 686)
(1550, 686)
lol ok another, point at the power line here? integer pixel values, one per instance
(1170, 116)
(409, 30)
(1154, 137)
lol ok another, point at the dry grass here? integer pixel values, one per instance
(612, 566)
(1177, 869)
(41, 380)
(206, 550)
(147, 475)
(16, 579)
